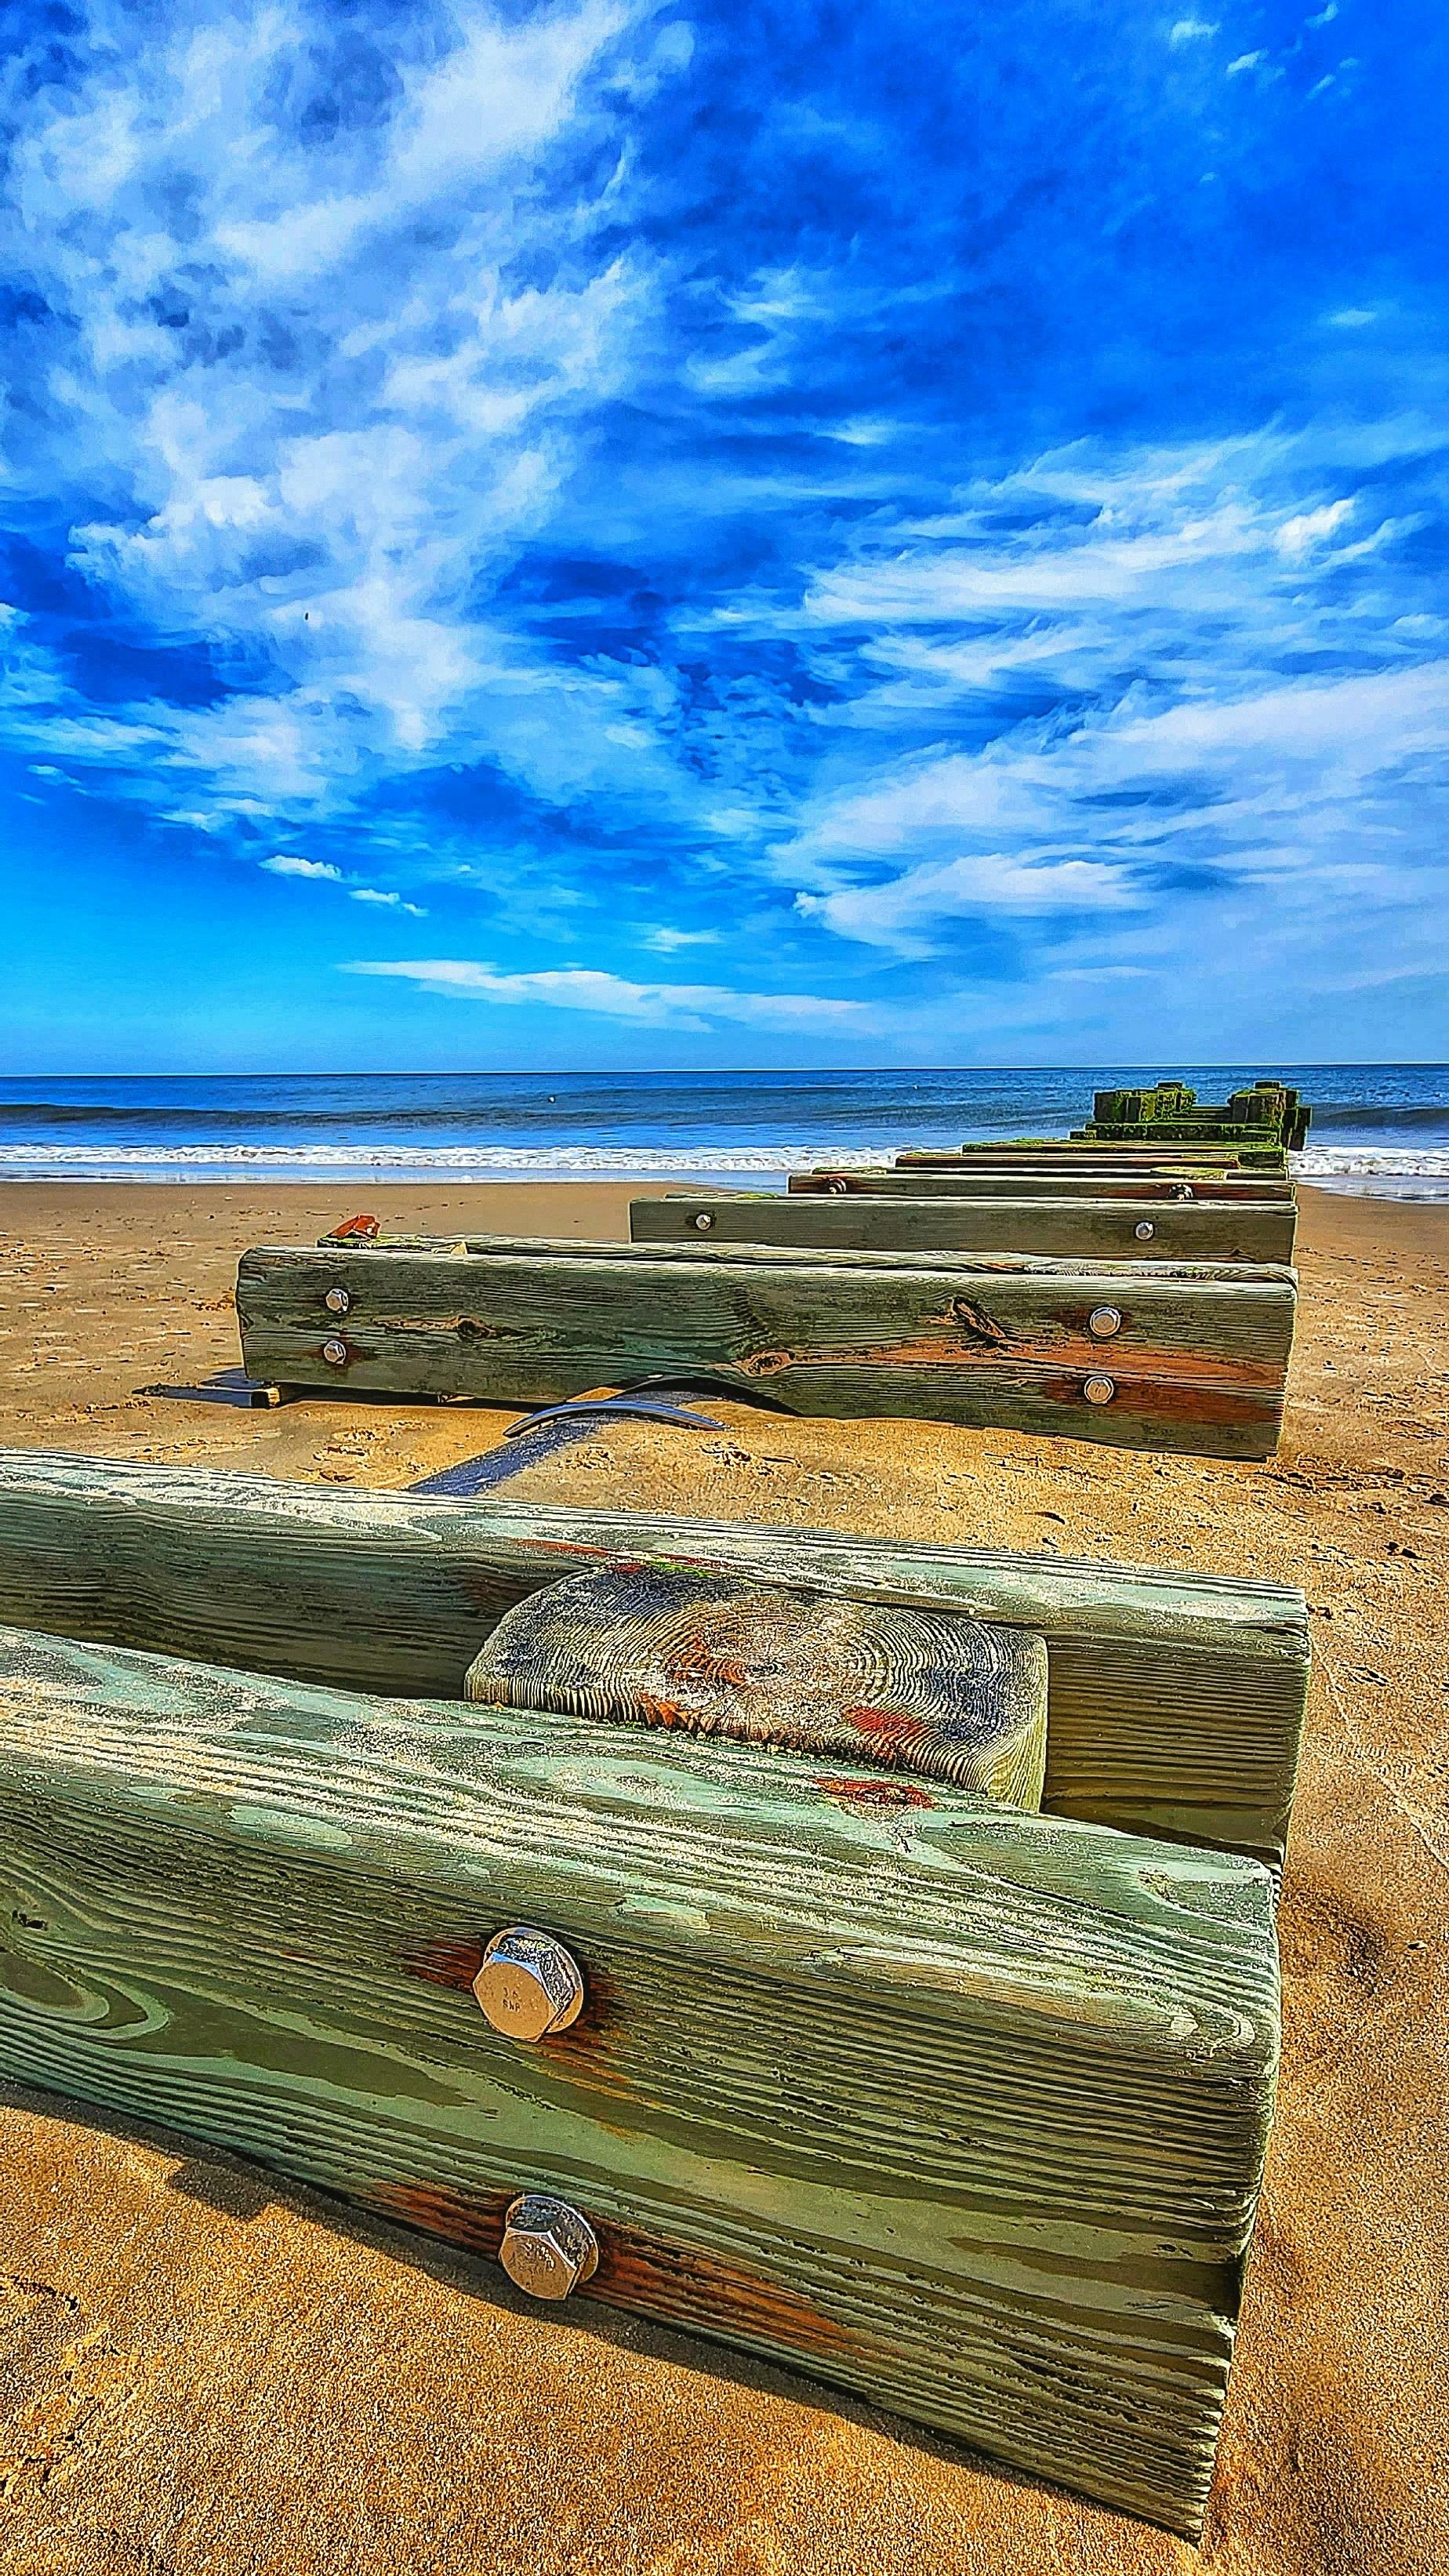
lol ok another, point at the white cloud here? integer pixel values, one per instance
(323, 419)
(666, 942)
(577, 988)
(1244, 63)
(1310, 527)
(1187, 31)
(289, 867)
(394, 902)
(904, 913)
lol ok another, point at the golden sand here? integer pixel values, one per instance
(205, 2373)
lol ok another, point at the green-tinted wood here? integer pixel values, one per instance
(1270, 1112)
(1117, 1162)
(961, 2110)
(1175, 1701)
(1105, 1228)
(1033, 1180)
(1068, 1154)
(1197, 1363)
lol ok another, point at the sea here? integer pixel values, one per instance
(1379, 1129)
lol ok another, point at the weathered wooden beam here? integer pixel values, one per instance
(1033, 1181)
(1270, 1112)
(959, 2109)
(1117, 1159)
(1094, 1154)
(1175, 1701)
(1144, 1357)
(1109, 1229)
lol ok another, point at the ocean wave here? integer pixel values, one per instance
(1389, 1171)
(1319, 1161)
(547, 1161)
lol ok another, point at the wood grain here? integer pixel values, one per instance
(960, 2111)
(1175, 1700)
(864, 1683)
(1100, 1228)
(1170, 1159)
(1199, 1362)
(1236, 1189)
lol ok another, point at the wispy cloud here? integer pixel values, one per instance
(613, 997)
(867, 512)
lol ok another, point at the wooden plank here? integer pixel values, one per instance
(1121, 1161)
(962, 2111)
(1067, 1154)
(1197, 1363)
(1259, 1231)
(1236, 1189)
(1175, 1700)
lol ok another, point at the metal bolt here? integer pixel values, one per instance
(1144, 1230)
(1185, 1190)
(528, 1985)
(335, 1354)
(1104, 1321)
(703, 1223)
(548, 2246)
(837, 1188)
(1099, 1390)
(338, 1301)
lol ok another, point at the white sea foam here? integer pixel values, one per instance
(1388, 1171)
(288, 1162)
(1376, 1171)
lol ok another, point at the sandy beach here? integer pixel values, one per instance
(208, 2373)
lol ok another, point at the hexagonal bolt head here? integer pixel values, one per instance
(548, 2246)
(1100, 1390)
(1104, 1321)
(335, 1354)
(528, 1985)
(338, 1301)
(1145, 1230)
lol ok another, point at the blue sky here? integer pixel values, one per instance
(618, 534)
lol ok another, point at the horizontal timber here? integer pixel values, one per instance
(1175, 1701)
(1042, 1181)
(962, 2111)
(1197, 1358)
(1257, 1231)
(1162, 1157)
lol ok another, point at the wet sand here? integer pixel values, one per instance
(204, 2373)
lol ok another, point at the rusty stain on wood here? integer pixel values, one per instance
(875, 1793)
(704, 2292)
